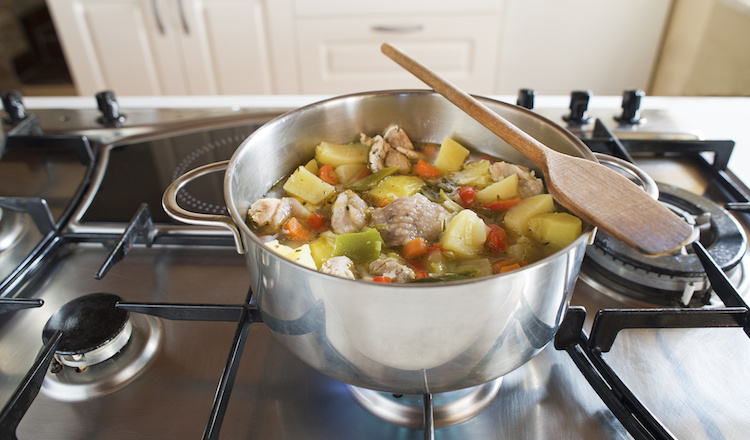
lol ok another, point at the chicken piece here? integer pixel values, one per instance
(407, 218)
(275, 212)
(528, 184)
(395, 158)
(378, 151)
(392, 268)
(349, 213)
(338, 266)
(366, 140)
(397, 138)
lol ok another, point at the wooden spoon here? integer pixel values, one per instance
(593, 192)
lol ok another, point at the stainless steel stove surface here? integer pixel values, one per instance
(175, 378)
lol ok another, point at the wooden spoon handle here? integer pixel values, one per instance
(518, 139)
(591, 191)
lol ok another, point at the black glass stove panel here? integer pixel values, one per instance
(140, 172)
(49, 168)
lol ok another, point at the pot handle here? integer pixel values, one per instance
(630, 171)
(169, 203)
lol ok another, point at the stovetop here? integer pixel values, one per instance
(692, 380)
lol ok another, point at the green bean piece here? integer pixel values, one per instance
(359, 246)
(366, 183)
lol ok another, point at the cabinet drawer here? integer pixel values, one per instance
(343, 55)
(353, 8)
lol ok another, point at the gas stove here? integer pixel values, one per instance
(117, 322)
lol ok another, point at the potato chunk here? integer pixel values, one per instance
(517, 217)
(501, 190)
(337, 155)
(308, 187)
(397, 186)
(465, 234)
(312, 166)
(301, 255)
(321, 249)
(559, 229)
(349, 171)
(451, 156)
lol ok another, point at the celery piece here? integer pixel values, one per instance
(359, 246)
(370, 181)
(479, 267)
(447, 277)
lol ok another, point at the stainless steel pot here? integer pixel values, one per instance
(406, 338)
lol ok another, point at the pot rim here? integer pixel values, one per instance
(586, 233)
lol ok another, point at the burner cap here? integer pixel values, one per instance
(668, 279)
(449, 408)
(87, 323)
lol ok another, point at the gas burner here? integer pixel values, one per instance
(102, 348)
(668, 280)
(449, 408)
(93, 329)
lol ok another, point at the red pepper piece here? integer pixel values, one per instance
(467, 193)
(502, 205)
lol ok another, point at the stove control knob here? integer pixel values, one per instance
(579, 105)
(13, 106)
(631, 107)
(110, 109)
(526, 98)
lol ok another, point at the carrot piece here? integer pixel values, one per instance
(317, 222)
(502, 205)
(500, 266)
(467, 193)
(429, 150)
(510, 267)
(414, 248)
(382, 279)
(426, 171)
(327, 174)
(294, 229)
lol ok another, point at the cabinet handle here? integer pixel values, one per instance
(157, 16)
(398, 29)
(185, 27)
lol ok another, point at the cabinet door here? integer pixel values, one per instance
(342, 55)
(225, 46)
(123, 45)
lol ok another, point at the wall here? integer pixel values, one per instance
(706, 51)
(557, 46)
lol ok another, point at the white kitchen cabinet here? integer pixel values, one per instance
(491, 47)
(339, 43)
(556, 46)
(167, 47)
